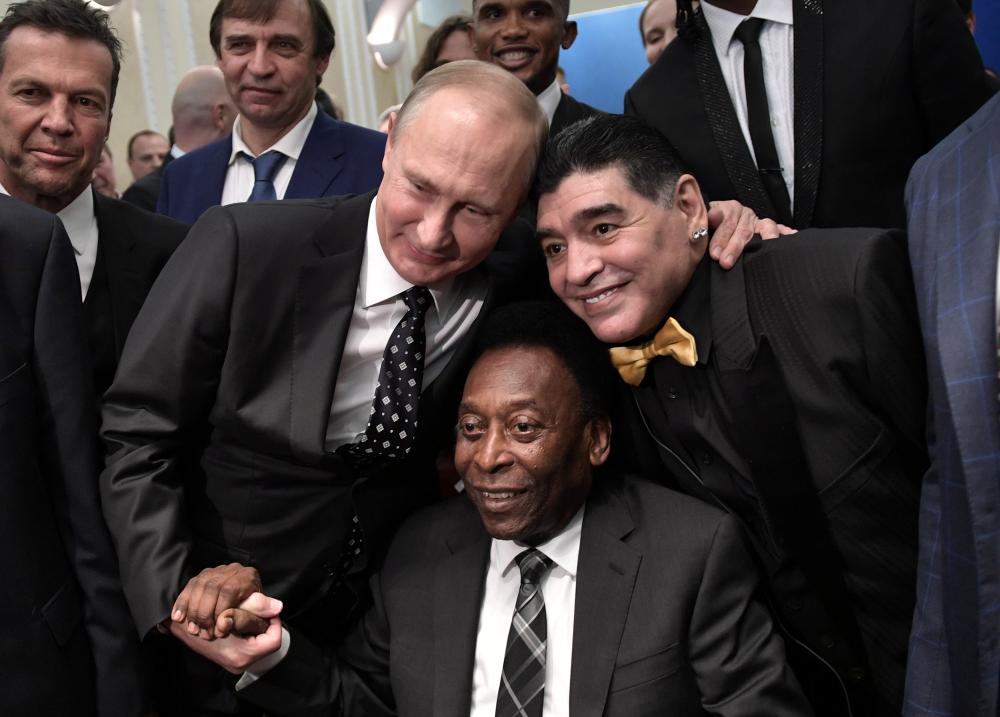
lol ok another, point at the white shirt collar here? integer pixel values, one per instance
(548, 100)
(77, 218)
(723, 23)
(290, 144)
(176, 152)
(380, 281)
(563, 549)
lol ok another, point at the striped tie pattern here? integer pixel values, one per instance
(522, 686)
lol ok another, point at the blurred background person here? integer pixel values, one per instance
(202, 112)
(146, 150)
(103, 179)
(449, 42)
(658, 27)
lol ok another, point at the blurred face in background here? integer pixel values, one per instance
(659, 27)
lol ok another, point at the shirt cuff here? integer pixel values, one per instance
(265, 664)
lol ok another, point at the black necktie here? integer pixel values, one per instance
(759, 119)
(265, 166)
(392, 426)
(522, 686)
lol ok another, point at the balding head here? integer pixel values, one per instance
(458, 163)
(202, 109)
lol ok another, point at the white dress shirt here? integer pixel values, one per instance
(80, 222)
(548, 100)
(378, 308)
(776, 47)
(239, 175)
(503, 580)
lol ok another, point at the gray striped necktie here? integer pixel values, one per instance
(522, 686)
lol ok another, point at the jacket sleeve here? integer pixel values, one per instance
(159, 404)
(738, 659)
(69, 457)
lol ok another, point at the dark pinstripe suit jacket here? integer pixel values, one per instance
(953, 208)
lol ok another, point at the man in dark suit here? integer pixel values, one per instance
(643, 602)
(954, 214)
(235, 423)
(866, 89)
(67, 646)
(57, 114)
(202, 112)
(788, 390)
(273, 56)
(524, 37)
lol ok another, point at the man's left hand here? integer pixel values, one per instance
(734, 226)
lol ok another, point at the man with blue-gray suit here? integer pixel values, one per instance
(273, 54)
(953, 214)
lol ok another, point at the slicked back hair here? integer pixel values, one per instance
(649, 163)
(73, 18)
(550, 325)
(482, 80)
(324, 37)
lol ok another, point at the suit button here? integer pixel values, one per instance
(672, 392)
(856, 674)
(794, 604)
(826, 641)
(706, 459)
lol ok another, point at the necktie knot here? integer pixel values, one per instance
(671, 340)
(533, 565)
(417, 299)
(265, 167)
(748, 31)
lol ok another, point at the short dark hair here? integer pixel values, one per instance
(428, 59)
(550, 325)
(650, 165)
(560, 5)
(73, 18)
(137, 135)
(324, 37)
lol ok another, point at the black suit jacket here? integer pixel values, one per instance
(666, 621)
(133, 246)
(66, 645)
(876, 85)
(819, 368)
(568, 111)
(216, 422)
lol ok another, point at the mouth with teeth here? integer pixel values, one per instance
(601, 297)
(513, 59)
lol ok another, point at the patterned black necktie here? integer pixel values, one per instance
(522, 686)
(265, 167)
(759, 119)
(392, 426)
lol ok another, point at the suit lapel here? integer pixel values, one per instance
(318, 164)
(324, 302)
(808, 106)
(459, 581)
(606, 574)
(118, 249)
(212, 172)
(726, 127)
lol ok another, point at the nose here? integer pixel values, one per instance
(492, 455)
(261, 63)
(58, 117)
(434, 231)
(513, 26)
(583, 263)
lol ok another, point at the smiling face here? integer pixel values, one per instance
(55, 113)
(454, 177)
(523, 37)
(270, 67)
(524, 450)
(619, 261)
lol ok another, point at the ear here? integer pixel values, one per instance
(599, 438)
(321, 68)
(689, 201)
(569, 34)
(388, 141)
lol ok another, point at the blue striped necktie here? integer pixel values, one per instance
(265, 167)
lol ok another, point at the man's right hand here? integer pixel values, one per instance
(211, 593)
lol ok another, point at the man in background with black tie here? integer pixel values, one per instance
(811, 112)
(265, 414)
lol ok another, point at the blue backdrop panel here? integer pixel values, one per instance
(606, 58)
(988, 31)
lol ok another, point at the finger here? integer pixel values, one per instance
(262, 605)
(785, 231)
(724, 224)
(201, 609)
(240, 622)
(179, 610)
(767, 228)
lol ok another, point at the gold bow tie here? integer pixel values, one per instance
(671, 340)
